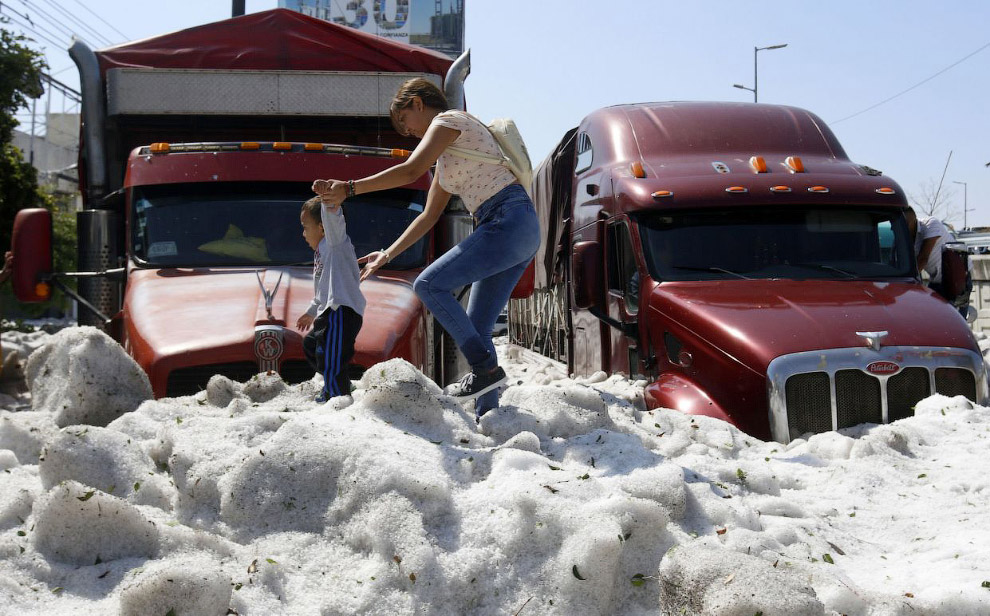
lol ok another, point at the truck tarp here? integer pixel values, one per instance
(552, 198)
(279, 39)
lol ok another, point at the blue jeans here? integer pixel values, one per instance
(491, 260)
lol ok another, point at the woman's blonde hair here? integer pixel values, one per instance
(431, 96)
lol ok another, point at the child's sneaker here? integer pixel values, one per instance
(473, 385)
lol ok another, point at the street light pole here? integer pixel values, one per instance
(755, 88)
(965, 201)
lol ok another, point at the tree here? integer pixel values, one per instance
(21, 69)
(933, 200)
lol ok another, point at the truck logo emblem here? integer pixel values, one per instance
(720, 167)
(269, 295)
(268, 347)
(873, 339)
(882, 367)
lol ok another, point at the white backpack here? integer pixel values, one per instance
(514, 154)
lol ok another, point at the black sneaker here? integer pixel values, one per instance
(473, 385)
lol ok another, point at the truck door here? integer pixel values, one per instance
(621, 338)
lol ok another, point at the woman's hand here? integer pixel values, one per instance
(372, 262)
(332, 192)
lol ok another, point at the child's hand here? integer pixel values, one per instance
(304, 322)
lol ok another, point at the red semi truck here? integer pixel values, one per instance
(197, 150)
(733, 256)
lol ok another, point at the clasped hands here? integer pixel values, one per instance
(331, 192)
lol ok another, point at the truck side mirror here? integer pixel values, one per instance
(32, 248)
(587, 274)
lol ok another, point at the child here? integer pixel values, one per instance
(338, 304)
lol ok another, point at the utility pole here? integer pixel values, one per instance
(755, 88)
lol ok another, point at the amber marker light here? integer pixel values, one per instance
(397, 153)
(780, 189)
(886, 190)
(737, 189)
(663, 194)
(794, 164)
(43, 289)
(637, 170)
(282, 145)
(313, 147)
(818, 189)
(250, 145)
(160, 148)
(758, 164)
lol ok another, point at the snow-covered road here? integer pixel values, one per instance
(570, 498)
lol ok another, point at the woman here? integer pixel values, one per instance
(493, 258)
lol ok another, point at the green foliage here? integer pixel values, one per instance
(18, 189)
(64, 231)
(21, 69)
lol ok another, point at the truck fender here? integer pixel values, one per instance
(32, 247)
(675, 391)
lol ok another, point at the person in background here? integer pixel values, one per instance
(492, 259)
(8, 267)
(930, 237)
(335, 314)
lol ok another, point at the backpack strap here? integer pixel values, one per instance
(492, 159)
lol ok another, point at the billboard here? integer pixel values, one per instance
(434, 24)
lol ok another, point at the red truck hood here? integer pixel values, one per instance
(756, 321)
(170, 325)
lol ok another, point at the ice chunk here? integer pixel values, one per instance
(78, 525)
(192, 585)
(82, 376)
(106, 460)
(726, 583)
(25, 433)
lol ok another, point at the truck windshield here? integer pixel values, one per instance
(195, 225)
(793, 243)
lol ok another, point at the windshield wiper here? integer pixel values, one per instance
(718, 270)
(822, 266)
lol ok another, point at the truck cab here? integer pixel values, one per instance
(733, 256)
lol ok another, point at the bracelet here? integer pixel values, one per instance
(388, 257)
(350, 188)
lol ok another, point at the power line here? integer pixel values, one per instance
(126, 38)
(29, 26)
(924, 81)
(56, 24)
(99, 37)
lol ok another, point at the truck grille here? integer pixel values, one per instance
(188, 381)
(819, 391)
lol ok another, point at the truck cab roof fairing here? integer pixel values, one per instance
(668, 131)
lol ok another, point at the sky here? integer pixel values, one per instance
(570, 498)
(903, 83)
